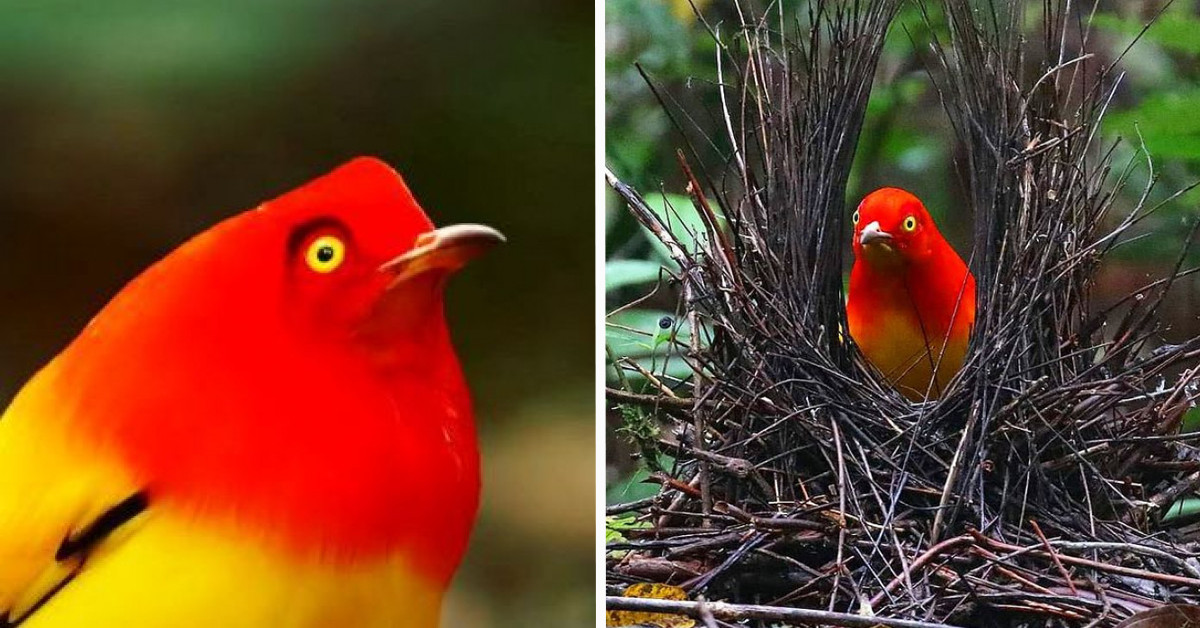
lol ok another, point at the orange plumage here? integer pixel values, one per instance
(911, 304)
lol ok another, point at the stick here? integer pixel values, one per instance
(917, 564)
(1127, 571)
(1053, 556)
(739, 612)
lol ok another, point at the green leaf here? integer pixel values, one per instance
(1191, 421)
(623, 273)
(1186, 507)
(1167, 122)
(1173, 31)
(635, 486)
(668, 371)
(680, 216)
(639, 335)
(616, 526)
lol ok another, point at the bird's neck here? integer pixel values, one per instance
(328, 455)
(929, 288)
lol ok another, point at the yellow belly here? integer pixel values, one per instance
(899, 350)
(163, 571)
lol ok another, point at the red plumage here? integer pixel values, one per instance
(359, 444)
(911, 301)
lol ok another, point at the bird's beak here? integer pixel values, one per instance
(872, 234)
(447, 249)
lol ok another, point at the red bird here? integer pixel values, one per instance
(911, 304)
(267, 428)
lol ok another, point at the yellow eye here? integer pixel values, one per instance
(325, 254)
(854, 218)
(910, 223)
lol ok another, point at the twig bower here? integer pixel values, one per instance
(1032, 490)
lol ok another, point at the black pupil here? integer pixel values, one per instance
(325, 254)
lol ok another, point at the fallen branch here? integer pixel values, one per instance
(740, 612)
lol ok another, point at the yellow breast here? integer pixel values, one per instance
(163, 571)
(906, 358)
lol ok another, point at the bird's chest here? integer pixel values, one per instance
(171, 570)
(905, 327)
(889, 334)
(896, 319)
(907, 308)
(347, 468)
(358, 475)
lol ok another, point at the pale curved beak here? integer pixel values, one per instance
(872, 234)
(447, 249)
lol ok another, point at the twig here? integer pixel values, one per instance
(919, 562)
(663, 401)
(1125, 571)
(1053, 556)
(742, 612)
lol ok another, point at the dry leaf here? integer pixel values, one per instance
(654, 591)
(1169, 616)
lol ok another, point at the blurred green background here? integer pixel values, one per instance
(128, 126)
(906, 141)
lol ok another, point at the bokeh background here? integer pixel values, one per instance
(128, 125)
(906, 141)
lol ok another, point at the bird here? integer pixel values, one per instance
(910, 305)
(269, 427)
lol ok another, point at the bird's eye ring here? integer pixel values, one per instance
(910, 223)
(854, 218)
(325, 254)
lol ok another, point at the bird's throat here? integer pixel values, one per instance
(882, 255)
(405, 315)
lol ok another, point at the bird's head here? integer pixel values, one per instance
(893, 228)
(348, 260)
(360, 262)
